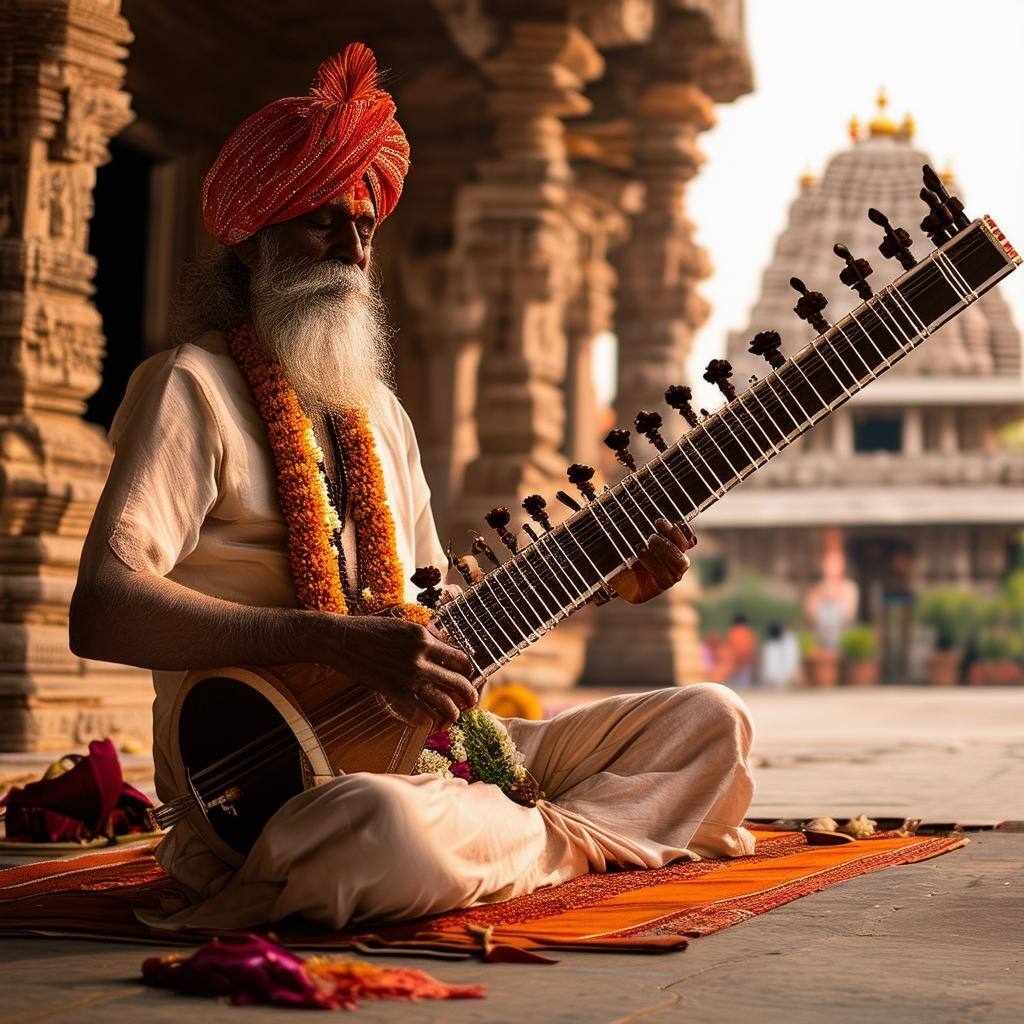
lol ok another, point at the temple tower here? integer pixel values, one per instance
(913, 469)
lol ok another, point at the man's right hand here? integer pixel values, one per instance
(405, 662)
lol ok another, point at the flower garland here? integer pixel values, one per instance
(314, 526)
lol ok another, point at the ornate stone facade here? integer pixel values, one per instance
(62, 100)
(545, 134)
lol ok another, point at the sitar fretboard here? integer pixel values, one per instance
(544, 583)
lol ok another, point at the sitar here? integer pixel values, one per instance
(249, 738)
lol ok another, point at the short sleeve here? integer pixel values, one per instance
(168, 452)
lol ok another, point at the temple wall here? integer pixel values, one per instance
(552, 142)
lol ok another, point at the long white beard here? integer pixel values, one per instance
(324, 323)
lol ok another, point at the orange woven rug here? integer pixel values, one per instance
(95, 896)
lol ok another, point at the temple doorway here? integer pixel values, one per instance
(119, 240)
(883, 571)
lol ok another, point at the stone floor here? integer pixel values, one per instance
(935, 942)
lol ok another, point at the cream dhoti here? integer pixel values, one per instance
(637, 780)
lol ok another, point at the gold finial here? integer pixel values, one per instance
(882, 124)
(946, 177)
(808, 177)
(854, 128)
(909, 126)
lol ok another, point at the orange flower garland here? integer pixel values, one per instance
(305, 502)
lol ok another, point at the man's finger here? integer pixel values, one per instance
(676, 534)
(437, 702)
(664, 561)
(451, 657)
(457, 687)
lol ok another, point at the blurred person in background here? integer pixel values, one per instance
(780, 658)
(741, 645)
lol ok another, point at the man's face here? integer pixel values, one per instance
(341, 229)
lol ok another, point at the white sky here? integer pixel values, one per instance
(953, 65)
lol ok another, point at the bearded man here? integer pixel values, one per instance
(199, 557)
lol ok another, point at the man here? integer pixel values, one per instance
(191, 563)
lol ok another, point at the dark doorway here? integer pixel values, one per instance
(117, 239)
(883, 568)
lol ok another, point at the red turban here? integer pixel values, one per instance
(300, 152)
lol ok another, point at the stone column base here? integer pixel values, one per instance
(653, 644)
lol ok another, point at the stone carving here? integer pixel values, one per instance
(66, 95)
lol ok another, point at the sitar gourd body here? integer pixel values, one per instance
(248, 739)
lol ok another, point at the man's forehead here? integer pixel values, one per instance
(356, 201)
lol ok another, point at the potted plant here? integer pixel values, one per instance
(821, 667)
(999, 652)
(859, 649)
(953, 615)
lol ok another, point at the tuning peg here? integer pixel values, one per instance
(897, 241)
(461, 567)
(497, 519)
(535, 507)
(938, 225)
(648, 423)
(580, 476)
(856, 272)
(481, 547)
(568, 501)
(935, 184)
(766, 344)
(428, 577)
(618, 441)
(678, 397)
(718, 372)
(530, 532)
(810, 305)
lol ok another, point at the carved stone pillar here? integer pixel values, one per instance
(658, 312)
(516, 240)
(597, 211)
(62, 70)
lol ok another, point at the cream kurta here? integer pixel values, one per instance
(637, 780)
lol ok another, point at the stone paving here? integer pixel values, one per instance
(935, 942)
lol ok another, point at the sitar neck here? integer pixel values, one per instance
(542, 584)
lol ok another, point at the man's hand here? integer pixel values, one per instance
(405, 662)
(661, 565)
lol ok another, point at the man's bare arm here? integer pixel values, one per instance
(139, 618)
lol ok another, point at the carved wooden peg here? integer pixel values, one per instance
(767, 344)
(896, 243)
(935, 184)
(535, 507)
(481, 547)
(810, 305)
(938, 225)
(618, 441)
(462, 567)
(568, 501)
(428, 578)
(498, 519)
(648, 423)
(580, 476)
(718, 372)
(679, 397)
(856, 272)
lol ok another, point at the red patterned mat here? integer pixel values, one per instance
(96, 896)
